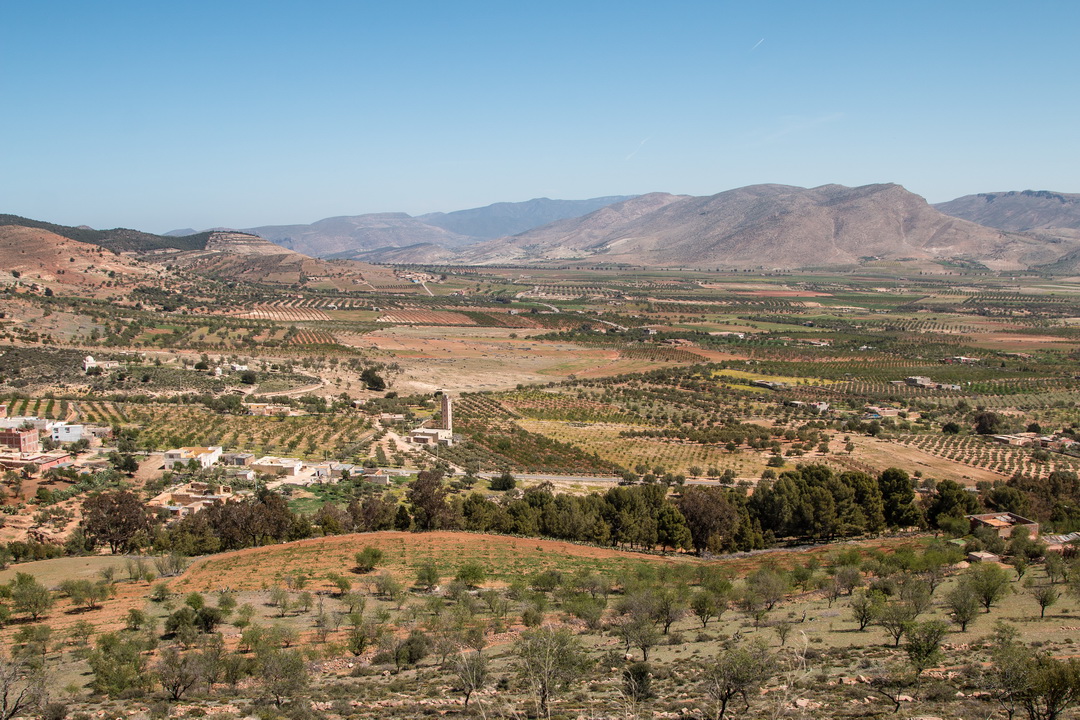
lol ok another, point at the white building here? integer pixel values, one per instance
(62, 433)
(89, 363)
(205, 456)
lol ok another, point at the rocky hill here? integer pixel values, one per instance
(771, 226)
(1018, 211)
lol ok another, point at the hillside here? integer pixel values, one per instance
(56, 261)
(419, 254)
(250, 258)
(511, 218)
(1017, 211)
(772, 226)
(118, 239)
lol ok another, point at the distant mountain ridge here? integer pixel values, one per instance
(342, 237)
(511, 218)
(770, 226)
(351, 236)
(1017, 210)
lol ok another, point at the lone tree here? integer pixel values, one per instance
(116, 519)
(923, 644)
(177, 672)
(963, 606)
(549, 660)
(1045, 595)
(737, 672)
(472, 672)
(283, 675)
(30, 596)
(989, 582)
(503, 482)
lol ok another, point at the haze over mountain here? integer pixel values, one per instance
(1019, 211)
(770, 226)
(351, 236)
(511, 218)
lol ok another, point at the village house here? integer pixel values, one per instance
(1004, 524)
(376, 477)
(183, 500)
(21, 440)
(24, 422)
(1057, 543)
(271, 465)
(41, 460)
(62, 433)
(960, 360)
(921, 381)
(270, 410)
(237, 459)
(876, 412)
(205, 456)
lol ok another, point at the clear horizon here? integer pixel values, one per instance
(159, 117)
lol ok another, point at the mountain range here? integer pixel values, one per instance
(759, 226)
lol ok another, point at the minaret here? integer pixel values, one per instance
(447, 413)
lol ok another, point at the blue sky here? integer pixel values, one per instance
(232, 113)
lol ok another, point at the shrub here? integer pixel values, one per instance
(368, 559)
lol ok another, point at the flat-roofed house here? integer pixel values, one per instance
(1004, 523)
(205, 456)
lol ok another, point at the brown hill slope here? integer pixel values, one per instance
(1025, 210)
(774, 226)
(249, 258)
(53, 261)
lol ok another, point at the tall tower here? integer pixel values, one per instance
(447, 413)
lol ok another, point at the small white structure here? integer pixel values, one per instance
(89, 363)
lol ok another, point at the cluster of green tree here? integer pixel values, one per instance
(1053, 500)
(809, 502)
